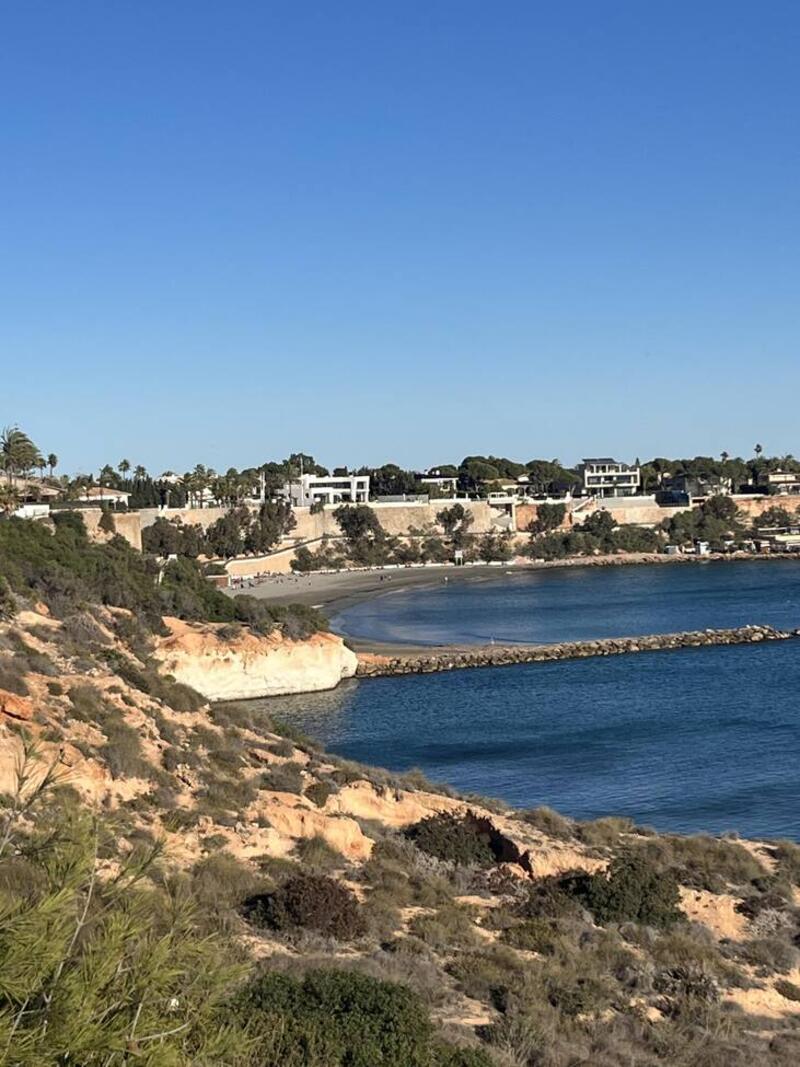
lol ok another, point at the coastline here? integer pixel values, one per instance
(334, 591)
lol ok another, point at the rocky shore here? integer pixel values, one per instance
(447, 659)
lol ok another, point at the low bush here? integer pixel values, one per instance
(221, 794)
(487, 974)
(533, 935)
(319, 791)
(463, 840)
(87, 704)
(703, 862)
(633, 890)
(316, 854)
(787, 857)
(342, 1019)
(446, 929)
(309, 902)
(788, 989)
(769, 955)
(12, 677)
(547, 898)
(549, 822)
(123, 752)
(604, 833)
(282, 778)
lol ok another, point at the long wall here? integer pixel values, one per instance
(394, 518)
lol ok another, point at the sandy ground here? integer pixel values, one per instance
(334, 592)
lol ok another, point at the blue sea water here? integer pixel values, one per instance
(583, 602)
(690, 740)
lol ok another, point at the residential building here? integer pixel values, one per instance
(780, 482)
(445, 485)
(104, 494)
(700, 484)
(608, 477)
(331, 489)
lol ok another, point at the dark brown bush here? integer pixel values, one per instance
(463, 840)
(309, 902)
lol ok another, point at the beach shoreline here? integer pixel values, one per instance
(335, 591)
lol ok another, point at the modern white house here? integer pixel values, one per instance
(331, 489)
(608, 477)
(103, 494)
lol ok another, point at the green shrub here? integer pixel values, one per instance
(769, 955)
(787, 858)
(549, 822)
(221, 794)
(603, 833)
(138, 966)
(55, 689)
(547, 899)
(8, 602)
(316, 854)
(533, 935)
(123, 752)
(449, 928)
(487, 974)
(633, 890)
(703, 862)
(463, 840)
(87, 704)
(310, 902)
(337, 1019)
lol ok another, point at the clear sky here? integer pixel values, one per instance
(399, 231)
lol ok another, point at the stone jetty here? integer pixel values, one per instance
(427, 661)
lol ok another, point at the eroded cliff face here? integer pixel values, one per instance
(249, 666)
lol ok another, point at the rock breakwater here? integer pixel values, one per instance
(428, 661)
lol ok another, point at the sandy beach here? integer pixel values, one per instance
(335, 591)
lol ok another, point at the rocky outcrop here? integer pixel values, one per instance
(448, 659)
(248, 666)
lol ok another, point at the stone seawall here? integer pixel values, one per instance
(449, 659)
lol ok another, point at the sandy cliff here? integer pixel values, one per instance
(250, 666)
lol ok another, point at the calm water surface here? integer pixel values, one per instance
(583, 602)
(696, 739)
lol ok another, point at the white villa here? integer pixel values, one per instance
(608, 477)
(330, 489)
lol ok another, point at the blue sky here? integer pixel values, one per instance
(399, 231)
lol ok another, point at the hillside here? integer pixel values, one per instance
(510, 938)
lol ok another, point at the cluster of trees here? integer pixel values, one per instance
(365, 543)
(240, 530)
(66, 570)
(598, 535)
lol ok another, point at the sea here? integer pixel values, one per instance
(691, 740)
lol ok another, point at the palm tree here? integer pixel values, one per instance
(758, 450)
(724, 456)
(123, 467)
(17, 452)
(139, 472)
(52, 462)
(9, 499)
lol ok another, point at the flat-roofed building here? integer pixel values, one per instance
(783, 483)
(312, 489)
(608, 477)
